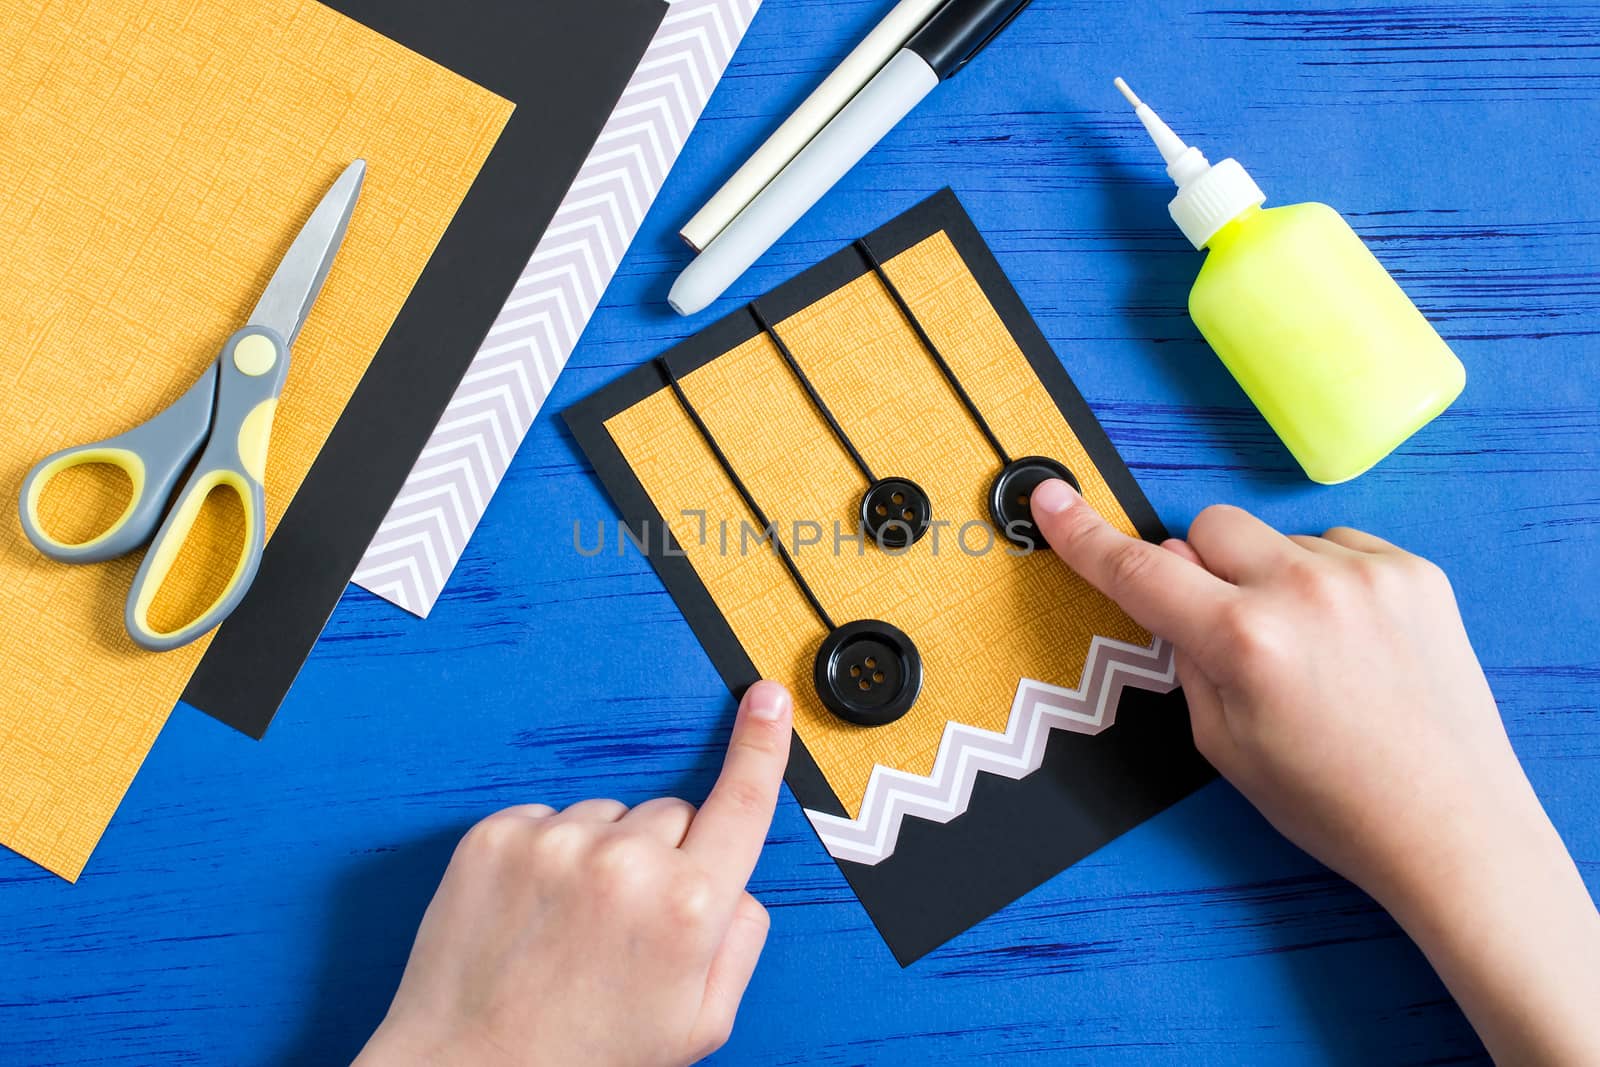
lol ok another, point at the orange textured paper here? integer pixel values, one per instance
(983, 618)
(157, 157)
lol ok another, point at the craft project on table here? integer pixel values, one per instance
(438, 419)
(147, 193)
(1047, 722)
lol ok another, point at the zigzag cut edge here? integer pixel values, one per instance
(1038, 708)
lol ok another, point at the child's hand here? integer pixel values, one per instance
(1331, 680)
(597, 935)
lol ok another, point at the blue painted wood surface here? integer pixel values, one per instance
(253, 903)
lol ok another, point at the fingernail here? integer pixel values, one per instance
(767, 701)
(1053, 497)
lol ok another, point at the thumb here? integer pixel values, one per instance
(1162, 592)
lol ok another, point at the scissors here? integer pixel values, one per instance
(229, 411)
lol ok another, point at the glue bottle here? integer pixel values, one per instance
(1321, 338)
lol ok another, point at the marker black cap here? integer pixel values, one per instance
(960, 30)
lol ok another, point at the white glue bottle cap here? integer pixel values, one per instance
(1209, 197)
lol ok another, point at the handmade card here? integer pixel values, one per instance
(833, 485)
(159, 156)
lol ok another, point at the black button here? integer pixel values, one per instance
(1008, 499)
(895, 512)
(868, 673)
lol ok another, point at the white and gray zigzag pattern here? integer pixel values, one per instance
(428, 526)
(1038, 708)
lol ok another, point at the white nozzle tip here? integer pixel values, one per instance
(1122, 87)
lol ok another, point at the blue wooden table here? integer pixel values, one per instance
(254, 903)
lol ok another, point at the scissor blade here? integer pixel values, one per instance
(287, 301)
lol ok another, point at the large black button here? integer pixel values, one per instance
(895, 512)
(868, 673)
(1009, 497)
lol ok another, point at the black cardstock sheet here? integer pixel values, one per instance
(941, 879)
(564, 66)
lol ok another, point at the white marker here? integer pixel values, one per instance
(798, 130)
(958, 32)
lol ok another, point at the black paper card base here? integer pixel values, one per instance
(1015, 834)
(564, 66)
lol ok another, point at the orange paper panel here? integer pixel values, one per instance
(156, 159)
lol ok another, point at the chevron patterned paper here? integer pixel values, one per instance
(437, 509)
(965, 750)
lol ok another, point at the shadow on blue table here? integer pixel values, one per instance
(372, 921)
(1344, 961)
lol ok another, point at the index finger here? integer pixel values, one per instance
(1163, 592)
(727, 834)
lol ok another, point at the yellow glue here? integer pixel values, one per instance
(1321, 338)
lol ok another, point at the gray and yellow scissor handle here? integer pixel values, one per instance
(228, 411)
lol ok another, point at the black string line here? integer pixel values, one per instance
(750, 501)
(933, 351)
(816, 399)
